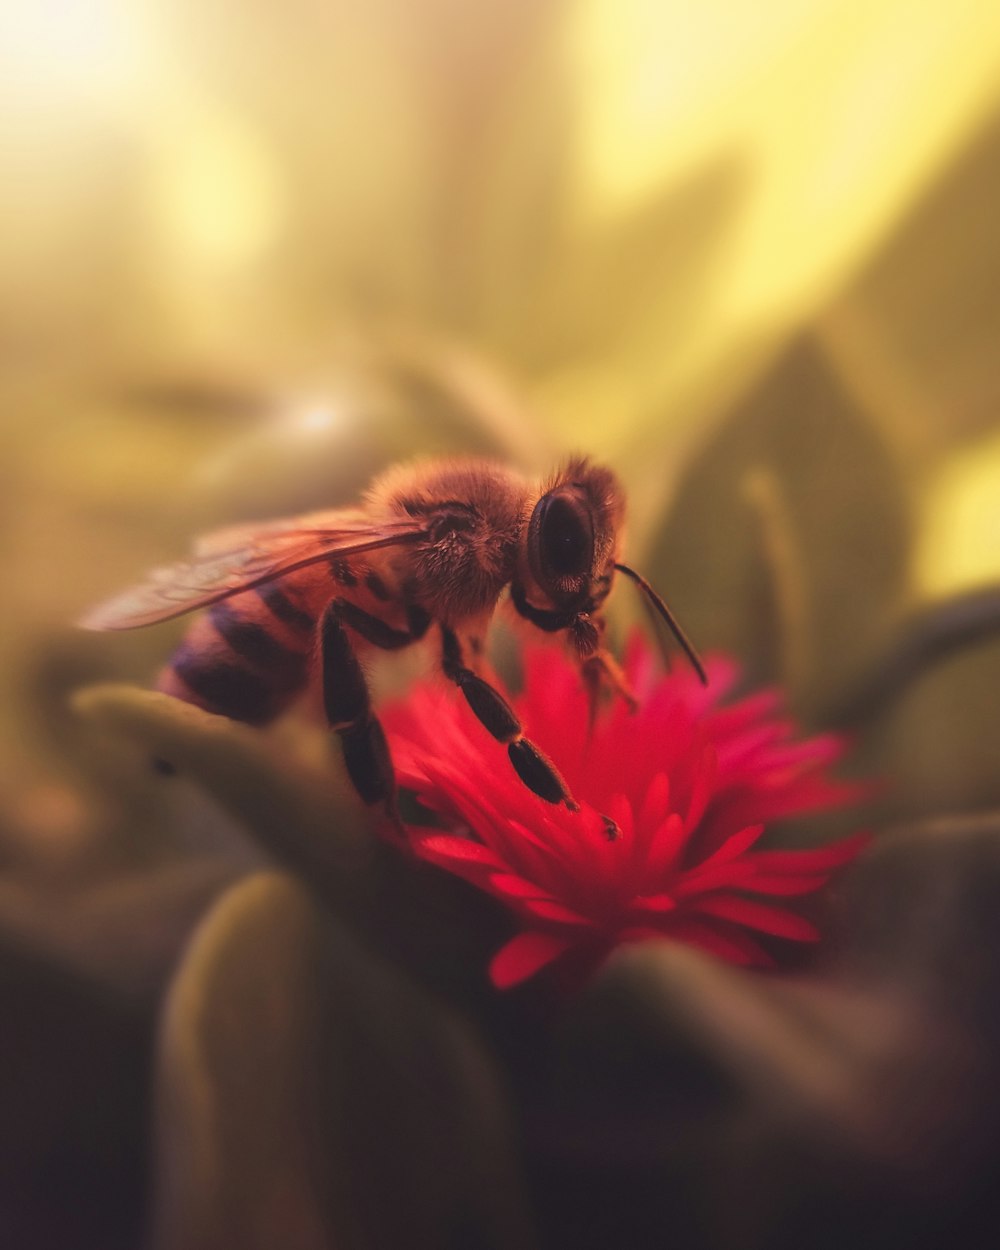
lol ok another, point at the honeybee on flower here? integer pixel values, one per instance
(433, 543)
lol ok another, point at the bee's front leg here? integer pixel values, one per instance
(531, 764)
(600, 672)
(347, 702)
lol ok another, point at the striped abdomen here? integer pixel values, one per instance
(245, 657)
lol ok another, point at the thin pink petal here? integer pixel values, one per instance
(756, 915)
(445, 846)
(508, 884)
(654, 903)
(728, 722)
(758, 742)
(620, 811)
(525, 955)
(448, 789)
(813, 859)
(655, 804)
(820, 749)
(724, 942)
(701, 792)
(734, 845)
(784, 885)
(716, 876)
(665, 849)
(641, 933)
(546, 909)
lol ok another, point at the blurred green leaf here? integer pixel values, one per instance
(915, 334)
(382, 397)
(309, 1097)
(800, 580)
(124, 931)
(922, 908)
(607, 339)
(936, 742)
(74, 1075)
(301, 812)
(859, 1106)
(290, 794)
(925, 709)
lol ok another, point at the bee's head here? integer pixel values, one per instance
(573, 534)
(571, 553)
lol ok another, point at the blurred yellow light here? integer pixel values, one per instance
(215, 193)
(835, 112)
(317, 418)
(666, 74)
(959, 546)
(54, 51)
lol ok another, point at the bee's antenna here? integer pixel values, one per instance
(665, 614)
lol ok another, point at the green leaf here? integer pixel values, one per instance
(291, 795)
(859, 1099)
(833, 1109)
(787, 544)
(928, 710)
(74, 1075)
(916, 331)
(309, 1097)
(123, 929)
(303, 812)
(617, 313)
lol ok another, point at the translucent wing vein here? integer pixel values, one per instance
(238, 558)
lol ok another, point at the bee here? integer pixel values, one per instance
(433, 544)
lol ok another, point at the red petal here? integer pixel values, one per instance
(734, 845)
(784, 885)
(701, 791)
(620, 811)
(731, 721)
(640, 933)
(757, 916)
(753, 749)
(507, 883)
(446, 847)
(549, 909)
(812, 859)
(768, 796)
(665, 848)
(523, 956)
(515, 836)
(470, 860)
(653, 902)
(655, 804)
(453, 791)
(730, 944)
(822, 749)
(714, 877)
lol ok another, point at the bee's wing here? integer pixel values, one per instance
(240, 557)
(330, 522)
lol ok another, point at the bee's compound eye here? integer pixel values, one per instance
(564, 537)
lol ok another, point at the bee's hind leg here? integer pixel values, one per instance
(347, 702)
(530, 763)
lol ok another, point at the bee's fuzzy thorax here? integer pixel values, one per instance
(476, 512)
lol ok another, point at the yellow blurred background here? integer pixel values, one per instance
(251, 252)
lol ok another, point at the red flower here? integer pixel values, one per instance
(690, 785)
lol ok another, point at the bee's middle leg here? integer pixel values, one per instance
(531, 764)
(347, 701)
